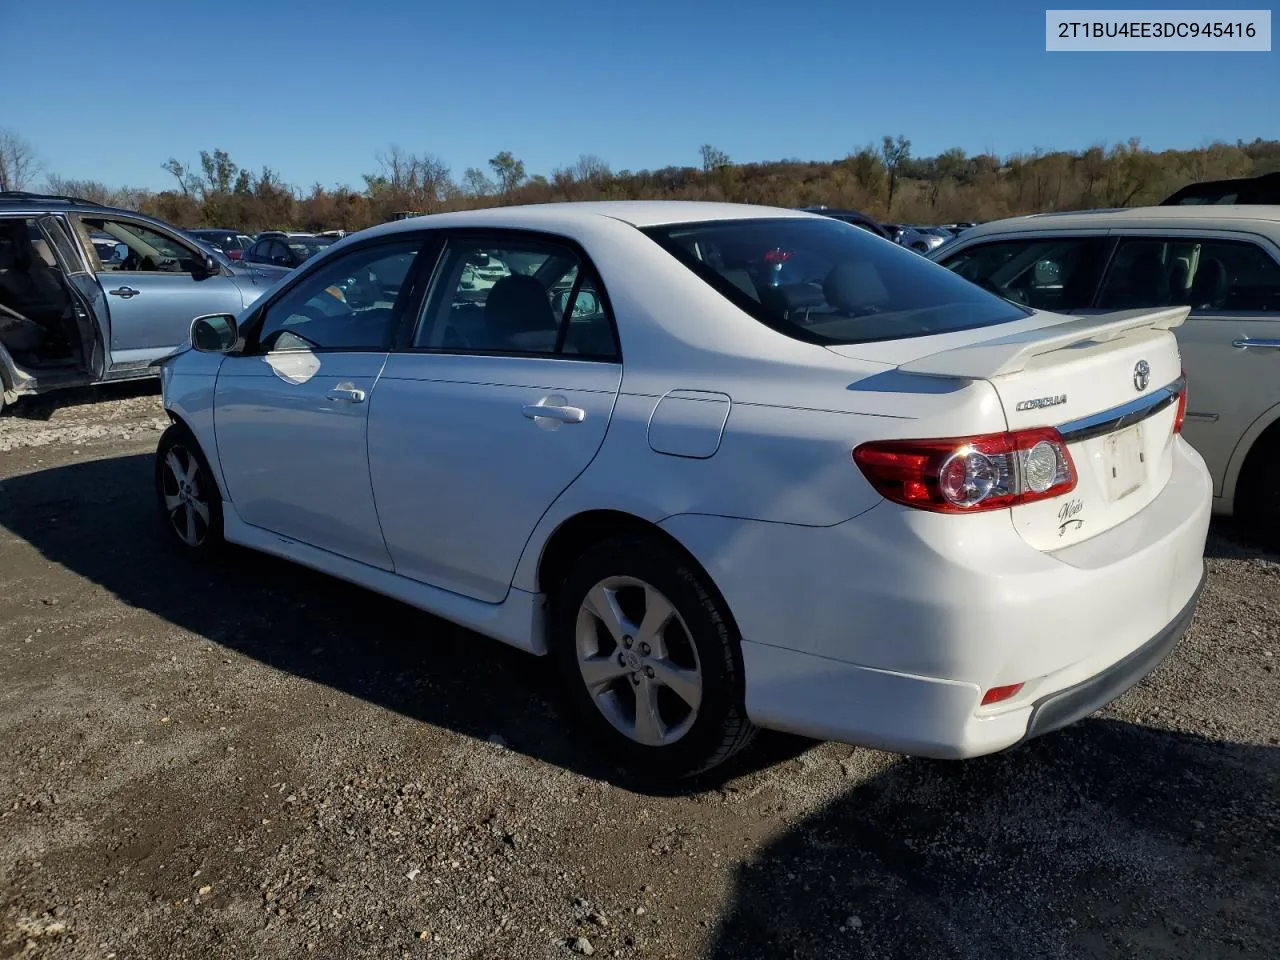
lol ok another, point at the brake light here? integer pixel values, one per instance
(1182, 406)
(970, 474)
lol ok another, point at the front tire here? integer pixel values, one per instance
(650, 658)
(188, 499)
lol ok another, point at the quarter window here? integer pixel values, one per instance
(1232, 276)
(351, 303)
(1059, 273)
(521, 297)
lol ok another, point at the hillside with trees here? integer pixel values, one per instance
(885, 180)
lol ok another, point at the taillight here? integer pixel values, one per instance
(969, 474)
(1182, 405)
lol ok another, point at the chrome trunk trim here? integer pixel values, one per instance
(1125, 415)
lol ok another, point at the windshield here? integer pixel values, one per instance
(308, 246)
(827, 282)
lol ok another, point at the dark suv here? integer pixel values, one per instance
(90, 293)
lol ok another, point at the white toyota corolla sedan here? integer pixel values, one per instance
(731, 466)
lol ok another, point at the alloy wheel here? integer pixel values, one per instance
(638, 661)
(185, 500)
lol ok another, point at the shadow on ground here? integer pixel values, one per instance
(98, 519)
(44, 406)
(1104, 840)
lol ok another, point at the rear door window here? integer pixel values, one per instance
(1207, 274)
(1054, 273)
(826, 282)
(521, 295)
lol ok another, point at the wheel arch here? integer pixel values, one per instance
(1262, 434)
(177, 420)
(578, 533)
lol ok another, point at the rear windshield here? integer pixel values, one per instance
(827, 282)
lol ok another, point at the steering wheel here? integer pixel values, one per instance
(131, 261)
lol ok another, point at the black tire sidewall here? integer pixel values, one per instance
(1257, 510)
(179, 435)
(721, 715)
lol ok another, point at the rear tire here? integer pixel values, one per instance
(666, 689)
(187, 496)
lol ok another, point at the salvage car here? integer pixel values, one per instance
(890, 508)
(1222, 263)
(90, 294)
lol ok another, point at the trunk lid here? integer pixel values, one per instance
(1109, 383)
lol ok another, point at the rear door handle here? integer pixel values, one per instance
(345, 391)
(125, 292)
(551, 411)
(1248, 343)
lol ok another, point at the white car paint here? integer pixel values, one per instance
(1234, 393)
(861, 619)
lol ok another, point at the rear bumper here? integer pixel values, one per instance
(887, 629)
(1065, 707)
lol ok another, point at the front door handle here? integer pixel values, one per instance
(125, 292)
(345, 391)
(1249, 343)
(545, 410)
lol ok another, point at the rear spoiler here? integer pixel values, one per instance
(994, 358)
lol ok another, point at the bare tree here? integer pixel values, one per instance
(712, 159)
(407, 181)
(894, 153)
(179, 172)
(19, 164)
(476, 183)
(591, 169)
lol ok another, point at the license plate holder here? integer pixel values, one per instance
(1124, 460)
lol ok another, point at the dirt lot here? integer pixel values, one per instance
(251, 760)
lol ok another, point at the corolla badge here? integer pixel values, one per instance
(1141, 375)
(1040, 402)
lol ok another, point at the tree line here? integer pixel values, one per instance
(885, 180)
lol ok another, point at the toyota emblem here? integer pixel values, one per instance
(1141, 375)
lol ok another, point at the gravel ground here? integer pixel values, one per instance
(251, 760)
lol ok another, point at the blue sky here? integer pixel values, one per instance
(315, 89)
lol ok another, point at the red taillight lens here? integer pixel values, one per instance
(969, 474)
(996, 694)
(1182, 406)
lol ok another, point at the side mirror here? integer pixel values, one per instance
(215, 333)
(206, 266)
(120, 253)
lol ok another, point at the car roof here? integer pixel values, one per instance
(638, 213)
(1247, 216)
(17, 201)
